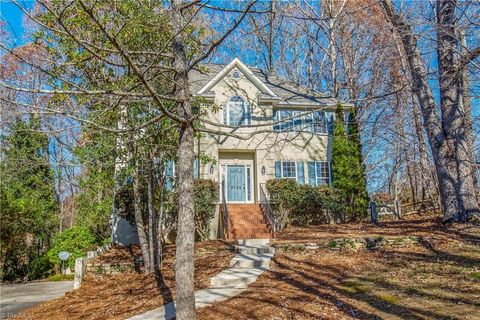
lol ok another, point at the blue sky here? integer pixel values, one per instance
(13, 17)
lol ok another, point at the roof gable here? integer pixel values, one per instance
(236, 63)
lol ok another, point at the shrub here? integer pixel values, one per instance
(40, 267)
(285, 197)
(75, 240)
(305, 204)
(206, 197)
(205, 200)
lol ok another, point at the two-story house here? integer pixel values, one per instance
(259, 126)
(256, 127)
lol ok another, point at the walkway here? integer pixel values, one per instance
(252, 260)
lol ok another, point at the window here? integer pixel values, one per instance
(322, 173)
(319, 122)
(236, 74)
(289, 170)
(237, 112)
(293, 120)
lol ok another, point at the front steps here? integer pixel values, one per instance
(253, 258)
(247, 222)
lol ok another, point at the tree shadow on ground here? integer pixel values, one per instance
(332, 283)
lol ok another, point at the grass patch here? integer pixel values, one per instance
(354, 286)
(58, 277)
(387, 298)
(474, 275)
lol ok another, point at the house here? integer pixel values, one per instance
(258, 126)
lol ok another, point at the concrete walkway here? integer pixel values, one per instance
(17, 297)
(252, 260)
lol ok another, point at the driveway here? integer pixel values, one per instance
(17, 297)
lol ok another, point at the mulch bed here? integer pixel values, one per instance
(411, 225)
(122, 295)
(438, 279)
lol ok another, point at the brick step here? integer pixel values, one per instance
(249, 226)
(263, 235)
(253, 229)
(259, 220)
(247, 222)
(245, 213)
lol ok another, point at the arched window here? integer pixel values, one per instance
(237, 112)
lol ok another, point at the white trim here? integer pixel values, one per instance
(242, 68)
(324, 107)
(224, 175)
(247, 109)
(323, 178)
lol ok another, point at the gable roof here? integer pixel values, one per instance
(236, 63)
(271, 85)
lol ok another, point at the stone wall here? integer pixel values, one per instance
(353, 244)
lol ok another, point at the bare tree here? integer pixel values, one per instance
(446, 131)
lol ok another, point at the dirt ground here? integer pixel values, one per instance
(436, 279)
(123, 295)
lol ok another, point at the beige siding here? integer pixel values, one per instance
(265, 146)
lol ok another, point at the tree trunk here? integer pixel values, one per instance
(159, 247)
(151, 216)
(467, 103)
(184, 267)
(446, 135)
(137, 208)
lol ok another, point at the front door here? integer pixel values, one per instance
(236, 183)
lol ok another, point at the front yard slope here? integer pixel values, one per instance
(126, 294)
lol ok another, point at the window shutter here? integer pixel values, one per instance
(300, 173)
(330, 172)
(249, 114)
(330, 120)
(169, 175)
(276, 127)
(278, 169)
(311, 173)
(195, 168)
(224, 107)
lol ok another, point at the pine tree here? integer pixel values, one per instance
(347, 168)
(27, 198)
(361, 195)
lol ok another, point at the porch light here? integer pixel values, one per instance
(263, 170)
(211, 169)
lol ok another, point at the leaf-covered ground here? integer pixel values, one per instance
(439, 278)
(436, 279)
(123, 295)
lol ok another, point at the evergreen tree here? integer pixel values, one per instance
(347, 168)
(27, 199)
(361, 195)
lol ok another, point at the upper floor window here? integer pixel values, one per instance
(236, 112)
(295, 120)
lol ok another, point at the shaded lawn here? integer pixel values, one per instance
(123, 295)
(438, 279)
